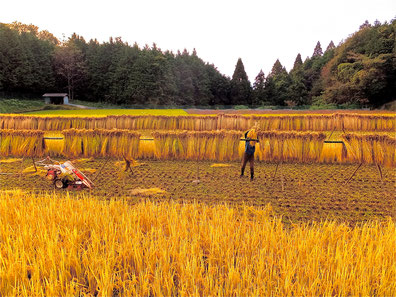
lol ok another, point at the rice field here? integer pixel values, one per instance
(317, 220)
(105, 112)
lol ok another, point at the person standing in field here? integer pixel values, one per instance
(250, 148)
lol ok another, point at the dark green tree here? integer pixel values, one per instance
(259, 94)
(70, 66)
(278, 84)
(298, 94)
(362, 69)
(25, 60)
(240, 86)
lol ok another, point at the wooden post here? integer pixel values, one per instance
(104, 164)
(34, 164)
(353, 173)
(276, 169)
(331, 133)
(379, 170)
(282, 182)
(20, 174)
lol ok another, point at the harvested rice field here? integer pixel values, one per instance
(169, 215)
(297, 192)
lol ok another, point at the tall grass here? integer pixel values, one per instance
(325, 122)
(69, 247)
(100, 142)
(21, 143)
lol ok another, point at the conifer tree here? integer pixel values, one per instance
(277, 84)
(318, 52)
(259, 89)
(297, 63)
(277, 69)
(331, 46)
(240, 86)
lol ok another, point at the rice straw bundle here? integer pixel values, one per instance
(334, 153)
(101, 142)
(10, 160)
(147, 192)
(289, 146)
(21, 143)
(309, 122)
(371, 149)
(200, 145)
(359, 122)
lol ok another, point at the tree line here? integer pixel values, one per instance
(360, 70)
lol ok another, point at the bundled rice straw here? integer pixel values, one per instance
(290, 146)
(21, 143)
(189, 145)
(309, 122)
(220, 165)
(372, 149)
(147, 192)
(334, 153)
(101, 143)
(11, 160)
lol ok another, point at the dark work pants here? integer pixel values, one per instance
(245, 159)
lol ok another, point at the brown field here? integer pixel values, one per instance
(298, 192)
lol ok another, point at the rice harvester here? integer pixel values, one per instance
(65, 175)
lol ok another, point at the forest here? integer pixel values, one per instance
(359, 71)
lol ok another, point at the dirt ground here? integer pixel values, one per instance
(298, 192)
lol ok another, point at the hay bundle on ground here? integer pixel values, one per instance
(21, 143)
(101, 143)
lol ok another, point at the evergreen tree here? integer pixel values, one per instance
(317, 51)
(360, 69)
(330, 47)
(240, 86)
(278, 84)
(298, 62)
(365, 25)
(277, 69)
(259, 95)
(297, 89)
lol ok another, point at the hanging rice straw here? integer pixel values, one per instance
(101, 143)
(371, 149)
(21, 143)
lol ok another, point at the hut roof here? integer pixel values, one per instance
(55, 95)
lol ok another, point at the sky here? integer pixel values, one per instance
(221, 31)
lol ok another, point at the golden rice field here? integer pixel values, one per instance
(82, 246)
(182, 222)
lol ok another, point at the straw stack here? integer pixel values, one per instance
(190, 145)
(371, 149)
(21, 143)
(101, 143)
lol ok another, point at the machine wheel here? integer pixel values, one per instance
(59, 184)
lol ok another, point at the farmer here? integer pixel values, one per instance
(250, 147)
